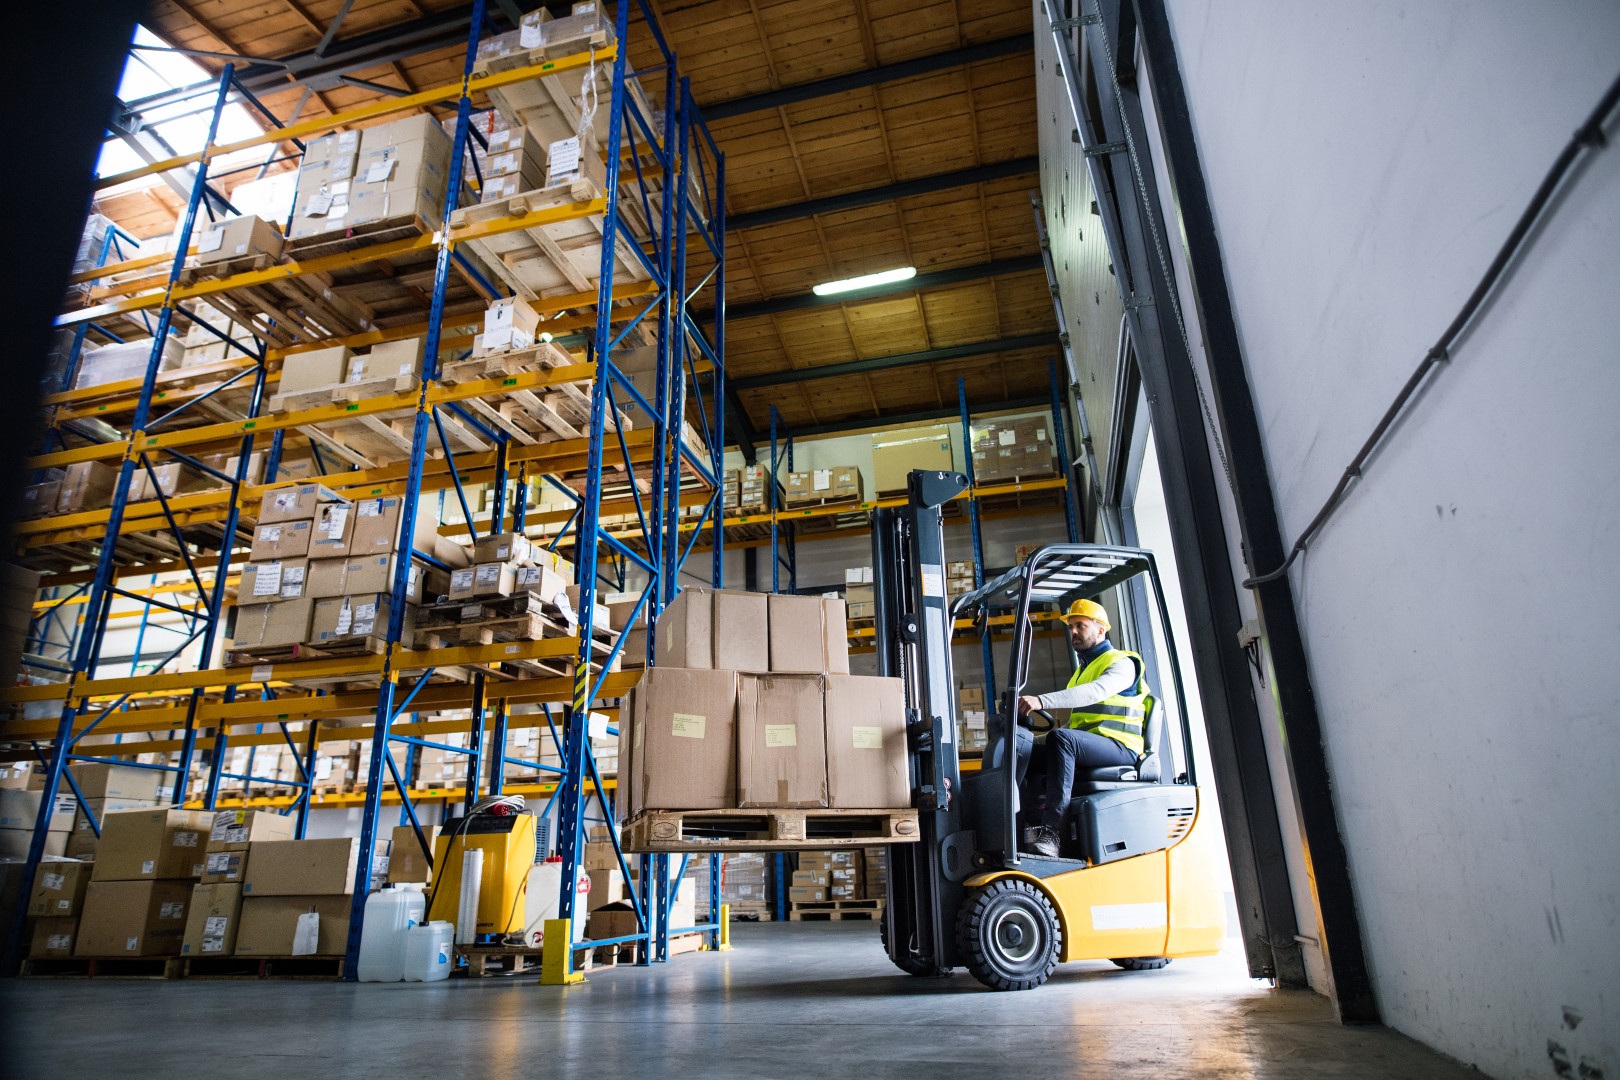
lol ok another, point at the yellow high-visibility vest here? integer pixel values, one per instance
(1122, 717)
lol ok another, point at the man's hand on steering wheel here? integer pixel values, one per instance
(1033, 716)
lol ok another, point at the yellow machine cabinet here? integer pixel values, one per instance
(508, 844)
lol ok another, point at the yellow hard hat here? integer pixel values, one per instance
(1087, 609)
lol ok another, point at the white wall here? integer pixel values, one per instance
(1364, 163)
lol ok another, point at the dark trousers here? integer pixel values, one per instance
(1070, 749)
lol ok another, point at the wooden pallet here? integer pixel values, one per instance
(263, 967)
(224, 268)
(836, 910)
(461, 612)
(341, 393)
(539, 357)
(767, 829)
(106, 967)
(483, 961)
(403, 227)
(285, 654)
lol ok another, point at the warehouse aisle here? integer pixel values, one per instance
(792, 1000)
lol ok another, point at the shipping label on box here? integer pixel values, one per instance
(334, 526)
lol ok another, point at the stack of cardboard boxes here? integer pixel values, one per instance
(753, 491)
(285, 879)
(322, 569)
(1007, 451)
(240, 237)
(745, 885)
(109, 789)
(391, 172)
(959, 578)
(216, 902)
(970, 727)
(56, 905)
(752, 705)
(820, 487)
(828, 875)
(858, 594)
(19, 809)
(516, 163)
(140, 888)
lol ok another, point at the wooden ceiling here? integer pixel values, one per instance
(942, 121)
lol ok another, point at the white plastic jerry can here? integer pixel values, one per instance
(429, 949)
(389, 914)
(545, 891)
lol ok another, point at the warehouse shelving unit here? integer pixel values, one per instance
(664, 189)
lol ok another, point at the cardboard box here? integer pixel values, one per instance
(359, 574)
(1007, 450)
(742, 637)
(342, 619)
(53, 937)
(225, 867)
(812, 879)
(237, 237)
(268, 582)
(781, 741)
(59, 887)
(334, 526)
(800, 894)
(86, 485)
(302, 867)
(867, 765)
(139, 845)
(502, 547)
(19, 809)
(273, 625)
(393, 359)
(685, 630)
(313, 370)
(40, 500)
(484, 579)
(808, 634)
(212, 921)
(282, 540)
(406, 861)
(294, 503)
(607, 887)
(233, 830)
(683, 739)
(970, 697)
(510, 323)
(896, 453)
(82, 843)
(269, 923)
(133, 918)
(376, 528)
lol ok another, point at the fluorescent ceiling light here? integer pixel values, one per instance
(866, 281)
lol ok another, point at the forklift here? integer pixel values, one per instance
(1137, 877)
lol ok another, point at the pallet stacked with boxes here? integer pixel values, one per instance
(858, 595)
(140, 886)
(833, 885)
(971, 719)
(752, 708)
(1007, 451)
(745, 885)
(839, 485)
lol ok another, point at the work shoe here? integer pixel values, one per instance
(1044, 842)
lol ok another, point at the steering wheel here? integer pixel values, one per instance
(1051, 721)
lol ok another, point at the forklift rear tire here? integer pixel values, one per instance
(910, 964)
(1143, 963)
(1009, 935)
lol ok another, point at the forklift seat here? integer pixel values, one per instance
(1149, 770)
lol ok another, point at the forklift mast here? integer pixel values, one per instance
(913, 629)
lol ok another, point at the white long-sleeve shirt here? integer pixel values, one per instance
(1117, 678)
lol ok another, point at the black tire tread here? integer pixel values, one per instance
(1142, 963)
(970, 922)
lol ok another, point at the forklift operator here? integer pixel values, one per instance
(1108, 703)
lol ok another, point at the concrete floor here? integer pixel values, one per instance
(792, 1000)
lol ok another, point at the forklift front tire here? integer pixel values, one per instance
(1009, 935)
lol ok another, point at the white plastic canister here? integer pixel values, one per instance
(389, 914)
(428, 951)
